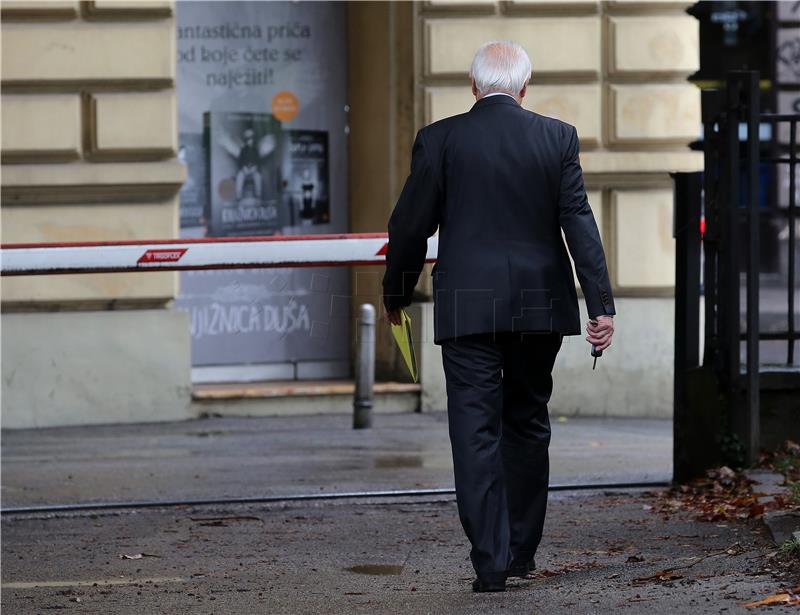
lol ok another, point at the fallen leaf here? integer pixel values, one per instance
(782, 598)
(659, 577)
(574, 567)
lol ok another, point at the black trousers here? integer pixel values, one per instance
(498, 386)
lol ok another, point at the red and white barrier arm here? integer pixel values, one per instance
(207, 253)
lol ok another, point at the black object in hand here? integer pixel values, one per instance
(596, 353)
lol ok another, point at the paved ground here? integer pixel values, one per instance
(377, 557)
(240, 457)
(347, 556)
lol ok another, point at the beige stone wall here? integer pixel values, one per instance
(89, 131)
(89, 139)
(617, 71)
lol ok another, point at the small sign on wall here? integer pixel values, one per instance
(788, 102)
(787, 55)
(788, 10)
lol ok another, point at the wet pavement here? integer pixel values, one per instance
(601, 554)
(252, 457)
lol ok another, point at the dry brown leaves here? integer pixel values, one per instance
(790, 597)
(574, 567)
(672, 574)
(662, 576)
(726, 495)
(722, 495)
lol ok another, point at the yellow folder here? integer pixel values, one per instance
(402, 335)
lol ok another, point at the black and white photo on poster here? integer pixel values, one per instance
(306, 177)
(243, 173)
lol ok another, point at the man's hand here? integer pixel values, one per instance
(393, 317)
(600, 330)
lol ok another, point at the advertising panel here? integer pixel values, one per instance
(262, 116)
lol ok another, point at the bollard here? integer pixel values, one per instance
(365, 368)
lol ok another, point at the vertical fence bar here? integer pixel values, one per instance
(729, 278)
(753, 424)
(687, 280)
(686, 206)
(792, 236)
(712, 108)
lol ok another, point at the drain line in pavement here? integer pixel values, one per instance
(301, 497)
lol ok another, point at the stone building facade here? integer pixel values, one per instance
(621, 80)
(89, 153)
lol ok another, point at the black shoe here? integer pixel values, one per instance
(521, 570)
(479, 585)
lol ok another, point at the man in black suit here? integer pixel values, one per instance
(500, 183)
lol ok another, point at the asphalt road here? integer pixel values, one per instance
(347, 556)
(251, 457)
(599, 555)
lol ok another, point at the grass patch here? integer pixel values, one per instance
(794, 493)
(791, 547)
(787, 464)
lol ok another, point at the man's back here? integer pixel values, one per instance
(501, 167)
(499, 184)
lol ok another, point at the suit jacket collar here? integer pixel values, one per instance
(494, 100)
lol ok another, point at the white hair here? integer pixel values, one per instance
(500, 66)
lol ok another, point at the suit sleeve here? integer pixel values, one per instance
(414, 219)
(580, 230)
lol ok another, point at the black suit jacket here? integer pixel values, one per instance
(500, 183)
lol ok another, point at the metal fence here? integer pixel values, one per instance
(726, 218)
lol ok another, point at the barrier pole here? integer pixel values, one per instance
(365, 368)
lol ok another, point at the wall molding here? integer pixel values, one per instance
(645, 7)
(71, 86)
(12, 156)
(31, 11)
(536, 7)
(93, 152)
(463, 8)
(90, 11)
(90, 182)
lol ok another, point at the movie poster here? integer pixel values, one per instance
(262, 117)
(244, 173)
(193, 201)
(306, 177)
